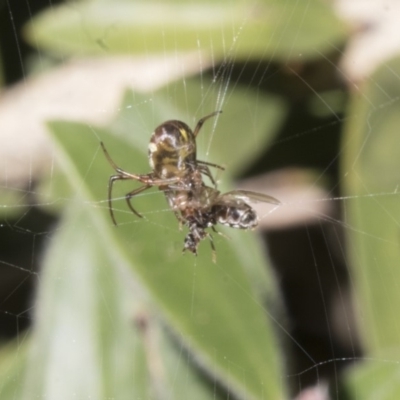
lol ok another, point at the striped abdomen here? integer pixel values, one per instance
(239, 215)
(172, 150)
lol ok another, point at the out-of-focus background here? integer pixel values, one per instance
(305, 307)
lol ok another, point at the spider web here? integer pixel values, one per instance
(302, 165)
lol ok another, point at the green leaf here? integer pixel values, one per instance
(95, 335)
(374, 380)
(53, 193)
(84, 344)
(234, 29)
(213, 310)
(371, 169)
(12, 368)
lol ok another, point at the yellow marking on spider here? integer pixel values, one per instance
(184, 134)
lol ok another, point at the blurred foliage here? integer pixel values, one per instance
(235, 29)
(120, 312)
(371, 166)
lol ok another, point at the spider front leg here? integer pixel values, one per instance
(148, 180)
(202, 120)
(128, 196)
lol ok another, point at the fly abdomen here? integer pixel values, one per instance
(241, 216)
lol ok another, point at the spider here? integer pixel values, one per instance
(172, 157)
(178, 173)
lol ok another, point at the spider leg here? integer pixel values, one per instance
(206, 171)
(111, 181)
(211, 165)
(118, 169)
(202, 166)
(148, 183)
(202, 120)
(129, 195)
(147, 179)
(141, 178)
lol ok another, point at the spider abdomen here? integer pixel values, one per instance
(172, 150)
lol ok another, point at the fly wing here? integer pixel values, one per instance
(248, 196)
